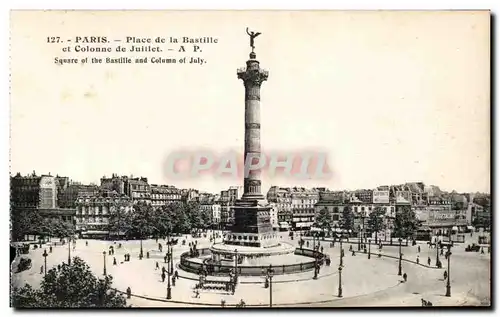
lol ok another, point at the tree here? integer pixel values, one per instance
(119, 218)
(25, 222)
(376, 221)
(405, 223)
(324, 219)
(347, 220)
(73, 286)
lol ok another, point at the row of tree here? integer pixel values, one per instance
(30, 222)
(146, 221)
(405, 222)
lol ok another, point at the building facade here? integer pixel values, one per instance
(93, 213)
(162, 195)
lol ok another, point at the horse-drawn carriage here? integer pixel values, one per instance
(23, 265)
(472, 248)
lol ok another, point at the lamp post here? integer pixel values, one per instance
(437, 254)
(341, 250)
(359, 238)
(69, 252)
(104, 258)
(269, 276)
(235, 265)
(315, 266)
(171, 257)
(169, 289)
(45, 255)
(141, 254)
(400, 256)
(369, 247)
(363, 223)
(340, 281)
(448, 286)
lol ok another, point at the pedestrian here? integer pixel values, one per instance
(405, 277)
(222, 303)
(445, 275)
(418, 249)
(86, 243)
(196, 293)
(418, 260)
(428, 261)
(147, 254)
(163, 269)
(176, 274)
(157, 266)
(74, 247)
(350, 248)
(353, 253)
(442, 250)
(163, 276)
(59, 267)
(41, 269)
(173, 280)
(50, 249)
(165, 259)
(114, 261)
(129, 292)
(482, 250)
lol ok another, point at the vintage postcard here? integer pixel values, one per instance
(250, 159)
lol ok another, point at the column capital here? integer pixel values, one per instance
(252, 75)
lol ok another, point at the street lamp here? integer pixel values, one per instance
(269, 277)
(400, 256)
(448, 286)
(341, 250)
(369, 247)
(45, 254)
(69, 252)
(235, 266)
(104, 257)
(437, 255)
(315, 266)
(169, 290)
(340, 281)
(359, 239)
(171, 258)
(141, 254)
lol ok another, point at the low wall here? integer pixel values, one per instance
(223, 269)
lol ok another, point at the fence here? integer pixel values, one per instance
(223, 269)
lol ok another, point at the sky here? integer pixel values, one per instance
(391, 97)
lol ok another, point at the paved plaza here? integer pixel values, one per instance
(365, 282)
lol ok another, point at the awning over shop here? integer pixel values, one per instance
(95, 232)
(316, 229)
(470, 227)
(455, 228)
(424, 228)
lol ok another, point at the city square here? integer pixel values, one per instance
(365, 282)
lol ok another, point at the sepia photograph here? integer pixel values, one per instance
(250, 159)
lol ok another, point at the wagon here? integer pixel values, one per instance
(24, 264)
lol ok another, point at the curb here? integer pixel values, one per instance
(335, 299)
